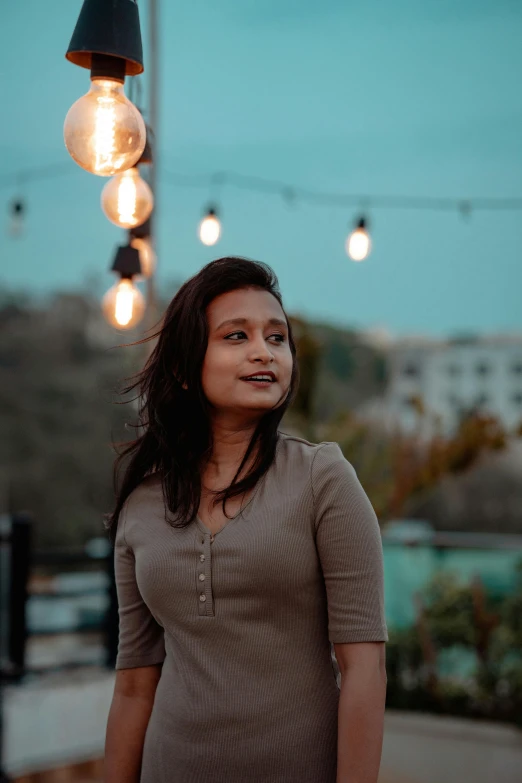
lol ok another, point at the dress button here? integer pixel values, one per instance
(202, 597)
(202, 557)
(202, 540)
(201, 577)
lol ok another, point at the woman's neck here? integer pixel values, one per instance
(229, 448)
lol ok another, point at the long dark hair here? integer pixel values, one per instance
(176, 439)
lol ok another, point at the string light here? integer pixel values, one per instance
(462, 206)
(210, 228)
(358, 243)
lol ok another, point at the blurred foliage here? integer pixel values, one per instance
(57, 382)
(457, 616)
(308, 355)
(398, 470)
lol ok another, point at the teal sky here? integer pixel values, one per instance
(400, 97)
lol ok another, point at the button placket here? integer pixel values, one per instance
(203, 576)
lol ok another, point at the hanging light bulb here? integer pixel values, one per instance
(210, 228)
(17, 212)
(147, 256)
(127, 200)
(123, 305)
(104, 132)
(358, 244)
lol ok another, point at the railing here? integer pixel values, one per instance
(48, 594)
(72, 597)
(58, 608)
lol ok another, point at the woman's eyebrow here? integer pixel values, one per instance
(242, 321)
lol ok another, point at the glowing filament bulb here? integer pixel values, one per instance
(123, 305)
(123, 309)
(103, 131)
(127, 200)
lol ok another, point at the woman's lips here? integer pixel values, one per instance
(259, 384)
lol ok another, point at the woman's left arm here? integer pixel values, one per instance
(349, 546)
(361, 711)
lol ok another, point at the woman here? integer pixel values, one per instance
(242, 554)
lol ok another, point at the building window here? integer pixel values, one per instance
(411, 370)
(517, 368)
(483, 369)
(482, 400)
(454, 369)
(517, 398)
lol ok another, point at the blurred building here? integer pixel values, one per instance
(451, 378)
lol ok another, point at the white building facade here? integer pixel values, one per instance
(452, 378)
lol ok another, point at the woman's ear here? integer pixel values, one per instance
(183, 385)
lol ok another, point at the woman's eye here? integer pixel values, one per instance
(280, 336)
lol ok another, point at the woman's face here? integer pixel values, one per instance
(256, 343)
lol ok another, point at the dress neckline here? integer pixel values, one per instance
(248, 505)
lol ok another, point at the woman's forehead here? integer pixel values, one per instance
(249, 304)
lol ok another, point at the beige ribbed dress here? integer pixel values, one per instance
(244, 625)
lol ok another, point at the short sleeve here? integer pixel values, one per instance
(349, 546)
(141, 638)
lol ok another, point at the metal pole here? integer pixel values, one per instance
(5, 580)
(151, 298)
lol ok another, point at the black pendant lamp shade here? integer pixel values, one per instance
(110, 28)
(127, 262)
(140, 232)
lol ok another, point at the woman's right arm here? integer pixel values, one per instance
(131, 706)
(141, 652)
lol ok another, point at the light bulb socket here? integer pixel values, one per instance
(17, 208)
(362, 223)
(108, 27)
(211, 212)
(140, 232)
(126, 262)
(105, 66)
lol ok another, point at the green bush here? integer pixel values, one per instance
(455, 616)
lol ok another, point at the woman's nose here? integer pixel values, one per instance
(260, 348)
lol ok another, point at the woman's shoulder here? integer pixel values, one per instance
(296, 443)
(148, 492)
(306, 453)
